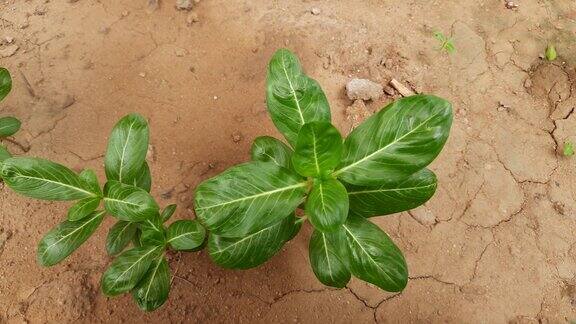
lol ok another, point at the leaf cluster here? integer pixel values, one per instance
(379, 169)
(8, 125)
(138, 240)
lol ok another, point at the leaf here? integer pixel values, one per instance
(326, 263)
(153, 290)
(318, 149)
(152, 232)
(269, 149)
(248, 197)
(253, 249)
(128, 269)
(327, 205)
(293, 98)
(91, 180)
(551, 54)
(9, 126)
(144, 178)
(129, 203)
(393, 197)
(65, 238)
(186, 235)
(119, 236)
(397, 141)
(567, 149)
(5, 83)
(127, 148)
(43, 179)
(83, 208)
(369, 254)
(168, 212)
(4, 154)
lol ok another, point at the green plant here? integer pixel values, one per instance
(251, 209)
(446, 43)
(551, 54)
(143, 269)
(8, 125)
(568, 149)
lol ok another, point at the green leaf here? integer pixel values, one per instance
(397, 141)
(318, 149)
(128, 269)
(392, 197)
(127, 148)
(129, 203)
(253, 249)
(248, 197)
(370, 254)
(326, 263)
(168, 212)
(152, 291)
(152, 232)
(269, 149)
(91, 180)
(327, 205)
(119, 236)
(293, 98)
(144, 178)
(65, 238)
(5, 83)
(4, 155)
(9, 126)
(43, 179)
(83, 208)
(551, 54)
(567, 149)
(186, 235)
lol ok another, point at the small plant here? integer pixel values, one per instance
(142, 269)
(446, 43)
(8, 125)
(551, 54)
(252, 209)
(568, 149)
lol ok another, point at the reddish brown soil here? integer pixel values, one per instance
(496, 244)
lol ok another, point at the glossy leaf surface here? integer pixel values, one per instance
(186, 235)
(293, 98)
(326, 263)
(9, 126)
(318, 149)
(119, 236)
(397, 141)
(152, 291)
(269, 149)
(65, 238)
(248, 197)
(129, 203)
(327, 205)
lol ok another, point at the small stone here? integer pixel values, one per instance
(24, 25)
(183, 5)
(315, 11)
(502, 106)
(424, 216)
(528, 83)
(9, 50)
(215, 98)
(363, 89)
(152, 6)
(511, 5)
(142, 74)
(389, 90)
(40, 11)
(125, 13)
(237, 137)
(180, 52)
(9, 39)
(192, 18)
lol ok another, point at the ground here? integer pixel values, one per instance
(495, 244)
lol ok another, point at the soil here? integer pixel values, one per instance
(496, 244)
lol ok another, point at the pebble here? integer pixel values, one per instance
(511, 5)
(363, 89)
(142, 74)
(237, 137)
(9, 39)
(183, 5)
(9, 50)
(180, 52)
(192, 18)
(315, 11)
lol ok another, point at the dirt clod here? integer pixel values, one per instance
(237, 137)
(315, 11)
(363, 89)
(184, 4)
(8, 51)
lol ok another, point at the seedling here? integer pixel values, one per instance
(551, 54)
(568, 149)
(8, 125)
(142, 269)
(446, 43)
(380, 168)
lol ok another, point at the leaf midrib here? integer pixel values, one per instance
(133, 264)
(73, 232)
(293, 91)
(337, 172)
(58, 183)
(265, 193)
(124, 151)
(366, 252)
(388, 190)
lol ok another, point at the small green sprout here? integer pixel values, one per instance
(568, 149)
(446, 44)
(551, 53)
